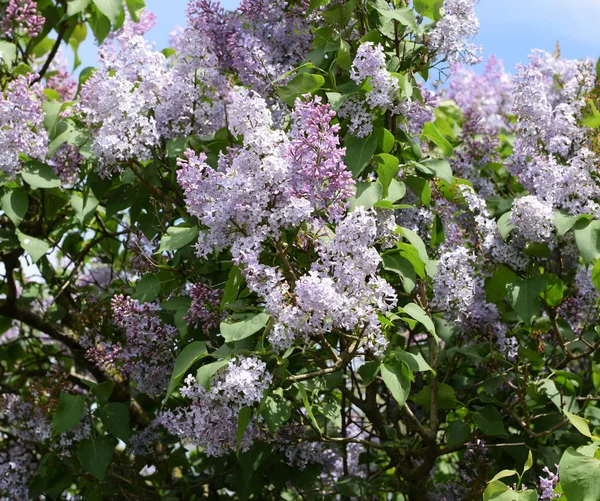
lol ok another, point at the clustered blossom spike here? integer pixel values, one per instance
(451, 33)
(21, 123)
(17, 467)
(21, 19)
(533, 219)
(204, 311)
(551, 156)
(210, 421)
(148, 353)
(548, 484)
(117, 100)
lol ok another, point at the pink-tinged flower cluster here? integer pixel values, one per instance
(204, 311)
(210, 421)
(60, 79)
(450, 36)
(21, 19)
(318, 169)
(118, 99)
(21, 124)
(147, 354)
(551, 157)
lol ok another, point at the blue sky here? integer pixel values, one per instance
(509, 28)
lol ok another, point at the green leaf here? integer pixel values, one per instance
(189, 356)
(15, 203)
(505, 225)
(8, 52)
(135, 8)
(415, 311)
(233, 285)
(446, 397)
(397, 379)
(367, 194)
(529, 462)
(39, 175)
(304, 83)
(244, 417)
(489, 421)
(523, 296)
(103, 390)
(596, 275)
(404, 16)
(344, 59)
(68, 413)
(495, 286)
(385, 139)
(438, 167)
(555, 289)
(429, 8)
(387, 168)
(431, 132)
(76, 6)
(206, 372)
(368, 372)
(415, 362)
(458, 432)
(116, 420)
(579, 476)
(359, 151)
(177, 237)
(582, 425)
(563, 222)
(110, 8)
(307, 405)
(276, 412)
(95, 455)
(587, 237)
(504, 474)
(420, 187)
(84, 207)
(241, 326)
(403, 267)
(35, 247)
(147, 289)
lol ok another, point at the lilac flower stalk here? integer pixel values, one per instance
(21, 19)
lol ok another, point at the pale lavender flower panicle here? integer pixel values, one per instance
(210, 421)
(118, 99)
(548, 484)
(59, 78)
(21, 123)
(21, 19)
(450, 35)
(17, 467)
(533, 219)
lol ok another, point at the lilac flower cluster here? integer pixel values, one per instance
(21, 123)
(580, 309)
(548, 484)
(17, 467)
(205, 308)
(60, 79)
(21, 19)
(117, 101)
(551, 156)
(450, 35)
(210, 421)
(148, 353)
(533, 219)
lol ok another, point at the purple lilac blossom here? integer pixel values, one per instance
(21, 123)
(548, 484)
(21, 19)
(148, 353)
(532, 219)
(204, 311)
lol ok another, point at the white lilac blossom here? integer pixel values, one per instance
(17, 467)
(342, 289)
(117, 101)
(147, 354)
(210, 421)
(492, 245)
(551, 157)
(450, 36)
(369, 66)
(191, 97)
(533, 219)
(21, 123)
